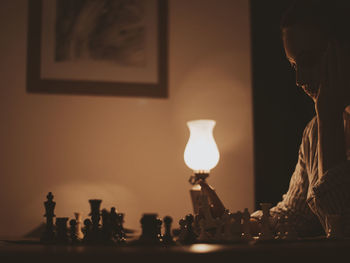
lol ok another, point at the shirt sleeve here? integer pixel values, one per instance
(330, 195)
(294, 204)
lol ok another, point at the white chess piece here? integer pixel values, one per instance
(79, 225)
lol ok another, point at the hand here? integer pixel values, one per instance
(333, 93)
(217, 207)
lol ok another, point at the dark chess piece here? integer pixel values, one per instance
(149, 234)
(73, 231)
(167, 237)
(190, 236)
(95, 219)
(120, 231)
(48, 235)
(106, 231)
(61, 230)
(159, 229)
(87, 230)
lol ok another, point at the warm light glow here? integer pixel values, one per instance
(201, 152)
(204, 248)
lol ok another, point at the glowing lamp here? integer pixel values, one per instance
(201, 155)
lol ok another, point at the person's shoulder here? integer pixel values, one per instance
(310, 131)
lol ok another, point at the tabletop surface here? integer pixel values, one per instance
(306, 250)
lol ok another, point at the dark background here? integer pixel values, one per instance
(281, 109)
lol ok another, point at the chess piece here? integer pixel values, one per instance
(87, 230)
(183, 230)
(48, 235)
(73, 231)
(236, 226)
(106, 231)
(190, 237)
(61, 227)
(79, 234)
(120, 231)
(203, 236)
(289, 230)
(167, 237)
(95, 219)
(159, 229)
(266, 232)
(227, 223)
(246, 234)
(281, 228)
(149, 234)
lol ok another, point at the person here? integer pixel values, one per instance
(316, 43)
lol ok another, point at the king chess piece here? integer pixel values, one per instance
(167, 237)
(48, 235)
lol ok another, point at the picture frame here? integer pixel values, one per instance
(135, 65)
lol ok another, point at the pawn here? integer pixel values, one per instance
(159, 229)
(79, 232)
(73, 231)
(183, 230)
(87, 230)
(290, 232)
(62, 231)
(246, 235)
(236, 227)
(120, 231)
(167, 237)
(106, 231)
(266, 232)
(190, 237)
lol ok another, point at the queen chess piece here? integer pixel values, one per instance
(48, 235)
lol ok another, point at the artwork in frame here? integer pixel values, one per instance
(98, 47)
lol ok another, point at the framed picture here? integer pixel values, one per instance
(98, 47)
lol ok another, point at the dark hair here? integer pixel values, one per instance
(331, 16)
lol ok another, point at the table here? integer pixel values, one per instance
(311, 250)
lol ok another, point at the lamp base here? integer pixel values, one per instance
(195, 193)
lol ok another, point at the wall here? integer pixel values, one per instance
(128, 151)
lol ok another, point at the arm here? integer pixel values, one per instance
(329, 105)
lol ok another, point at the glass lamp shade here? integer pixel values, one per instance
(201, 152)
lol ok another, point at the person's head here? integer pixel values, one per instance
(307, 28)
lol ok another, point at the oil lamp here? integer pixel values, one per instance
(201, 155)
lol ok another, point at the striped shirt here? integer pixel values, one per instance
(309, 199)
